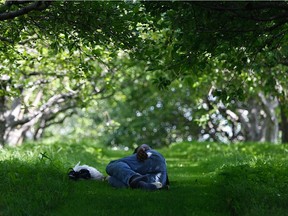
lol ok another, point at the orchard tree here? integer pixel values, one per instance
(235, 47)
(55, 57)
(45, 88)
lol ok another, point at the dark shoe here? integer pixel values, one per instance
(82, 174)
(134, 181)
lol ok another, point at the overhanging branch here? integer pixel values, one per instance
(6, 40)
(38, 5)
(56, 99)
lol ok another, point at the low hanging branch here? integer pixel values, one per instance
(38, 113)
(38, 5)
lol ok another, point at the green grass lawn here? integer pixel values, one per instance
(206, 179)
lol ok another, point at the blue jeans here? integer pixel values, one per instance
(121, 170)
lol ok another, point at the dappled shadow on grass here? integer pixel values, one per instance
(244, 179)
(41, 187)
(205, 180)
(30, 188)
(196, 191)
(255, 190)
(183, 198)
(34, 178)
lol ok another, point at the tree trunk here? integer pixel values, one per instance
(269, 105)
(251, 122)
(284, 123)
(3, 85)
(2, 121)
(259, 121)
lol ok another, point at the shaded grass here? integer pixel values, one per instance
(206, 179)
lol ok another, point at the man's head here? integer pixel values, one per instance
(143, 146)
(141, 152)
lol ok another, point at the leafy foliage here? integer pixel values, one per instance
(237, 48)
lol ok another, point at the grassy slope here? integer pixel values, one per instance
(206, 179)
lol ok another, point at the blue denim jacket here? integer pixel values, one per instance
(121, 170)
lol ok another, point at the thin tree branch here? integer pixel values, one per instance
(57, 99)
(6, 40)
(38, 5)
(249, 6)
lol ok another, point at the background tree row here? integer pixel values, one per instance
(158, 71)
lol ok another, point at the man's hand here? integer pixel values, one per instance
(141, 154)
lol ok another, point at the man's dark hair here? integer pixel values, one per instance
(136, 149)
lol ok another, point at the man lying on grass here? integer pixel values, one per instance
(144, 169)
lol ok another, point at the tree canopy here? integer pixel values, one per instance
(59, 56)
